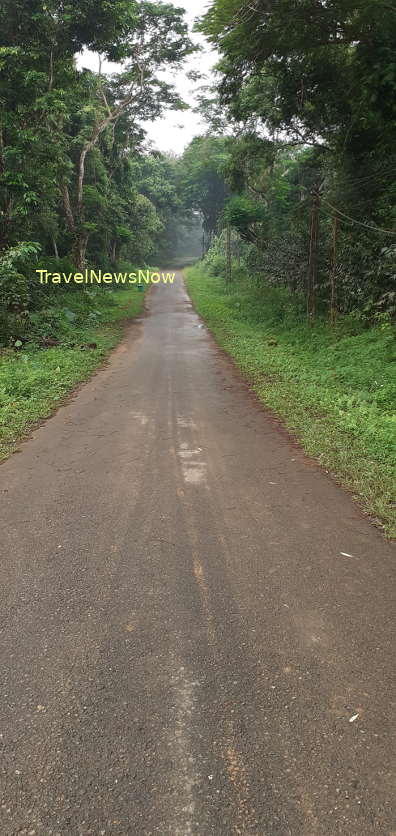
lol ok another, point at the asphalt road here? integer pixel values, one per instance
(197, 623)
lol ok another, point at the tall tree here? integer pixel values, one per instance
(53, 116)
(205, 190)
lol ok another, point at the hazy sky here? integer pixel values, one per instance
(177, 128)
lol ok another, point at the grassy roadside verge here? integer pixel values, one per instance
(336, 391)
(33, 381)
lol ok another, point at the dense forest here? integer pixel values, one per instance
(287, 198)
(293, 179)
(76, 184)
(307, 92)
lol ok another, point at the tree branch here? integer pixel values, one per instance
(112, 117)
(51, 71)
(67, 207)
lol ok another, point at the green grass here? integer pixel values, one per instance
(34, 380)
(335, 390)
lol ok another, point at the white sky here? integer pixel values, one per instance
(177, 128)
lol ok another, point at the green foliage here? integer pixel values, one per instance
(73, 172)
(326, 72)
(335, 389)
(33, 381)
(215, 263)
(310, 95)
(14, 293)
(244, 213)
(203, 166)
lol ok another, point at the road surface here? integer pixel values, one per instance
(197, 622)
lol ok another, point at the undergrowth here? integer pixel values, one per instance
(335, 389)
(34, 379)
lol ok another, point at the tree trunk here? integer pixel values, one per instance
(313, 259)
(333, 302)
(113, 256)
(228, 255)
(67, 207)
(51, 71)
(238, 252)
(80, 249)
(81, 175)
(75, 219)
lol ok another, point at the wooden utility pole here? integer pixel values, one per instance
(238, 251)
(333, 301)
(313, 257)
(228, 254)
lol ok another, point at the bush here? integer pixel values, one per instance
(14, 284)
(215, 264)
(14, 289)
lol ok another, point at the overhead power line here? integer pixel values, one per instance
(355, 181)
(359, 223)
